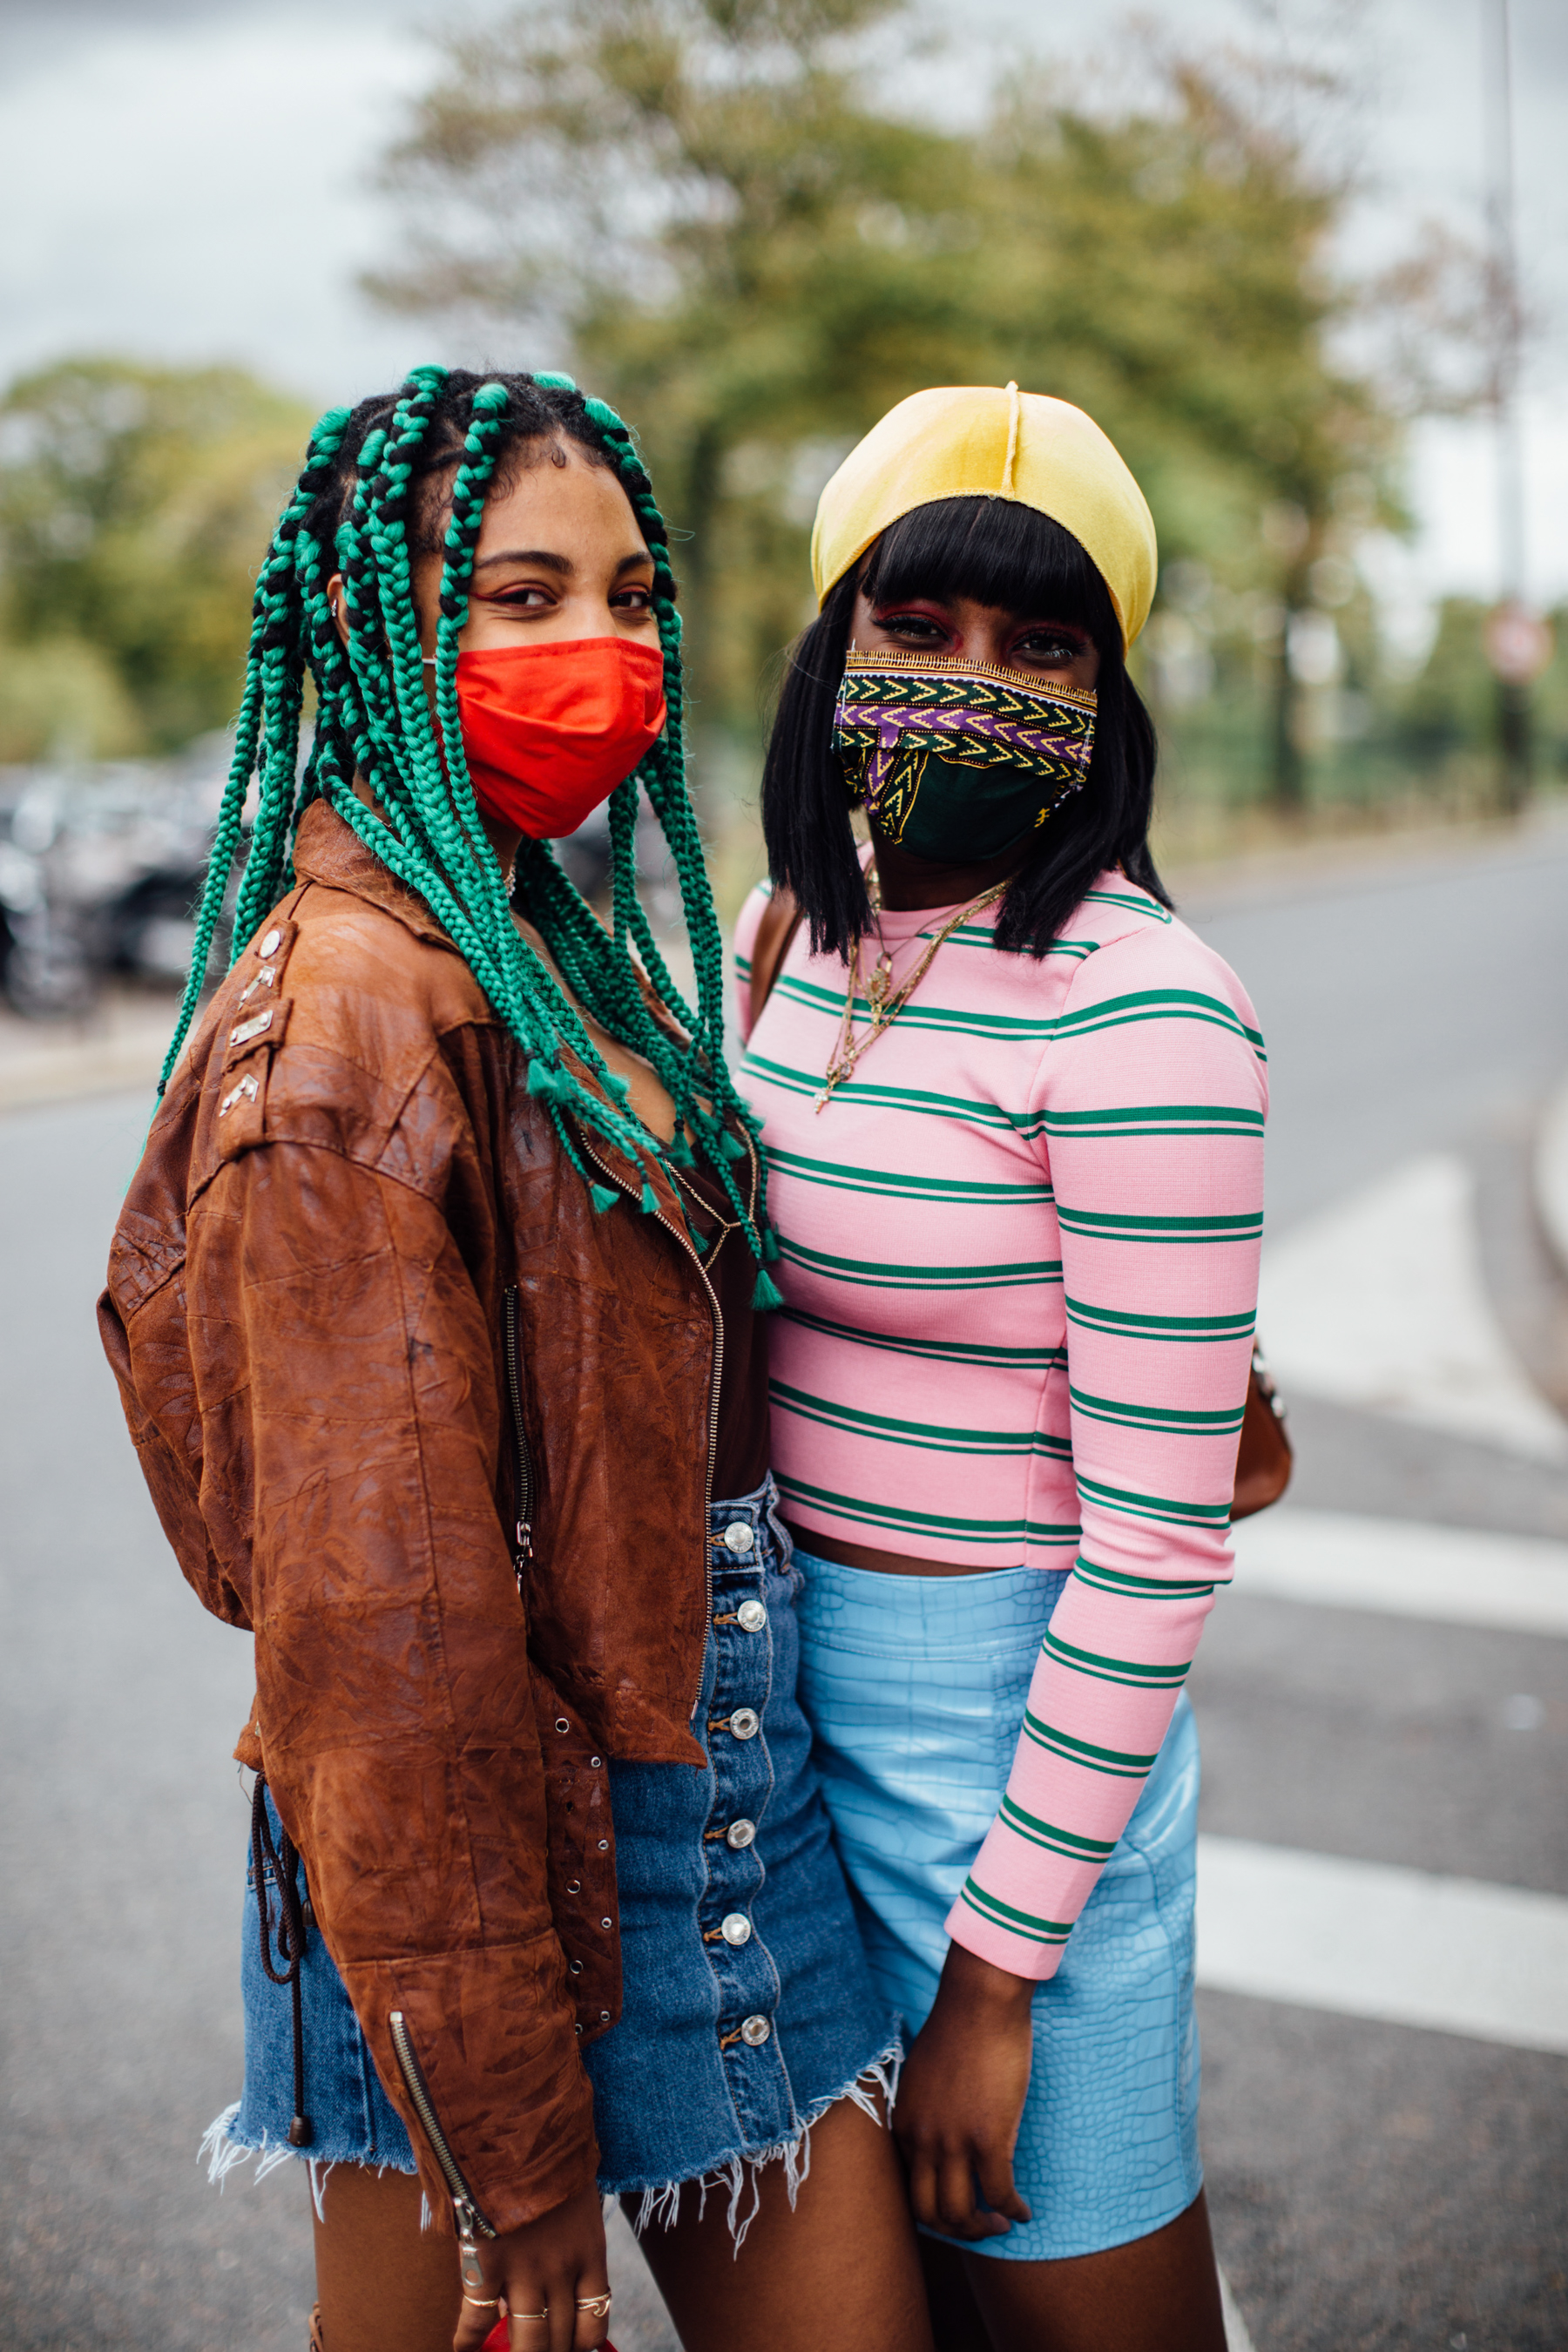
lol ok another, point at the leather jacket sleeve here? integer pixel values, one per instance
(346, 1362)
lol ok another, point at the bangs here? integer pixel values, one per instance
(997, 552)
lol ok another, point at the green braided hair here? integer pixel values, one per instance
(363, 507)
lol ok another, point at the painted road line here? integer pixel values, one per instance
(1237, 2338)
(1455, 1576)
(1367, 1939)
(1381, 1303)
(1552, 1176)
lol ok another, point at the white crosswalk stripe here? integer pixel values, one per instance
(1370, 1939)
(1237, 2338)
(1455, 1575)
(1367, 1939)
(1380, 1302)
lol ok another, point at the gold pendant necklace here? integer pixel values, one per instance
(884, 1003)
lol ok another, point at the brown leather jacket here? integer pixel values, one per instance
(347, 1200)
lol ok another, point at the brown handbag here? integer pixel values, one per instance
(1263, 1458)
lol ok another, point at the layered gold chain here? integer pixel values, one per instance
(884, 1003)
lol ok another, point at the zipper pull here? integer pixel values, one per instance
(469, 2260)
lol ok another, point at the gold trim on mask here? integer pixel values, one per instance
(960, 665)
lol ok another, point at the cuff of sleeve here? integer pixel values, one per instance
(1008, 1939)
(494, 2039)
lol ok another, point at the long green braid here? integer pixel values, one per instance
(351, 513)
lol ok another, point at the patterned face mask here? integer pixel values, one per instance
(957, 761)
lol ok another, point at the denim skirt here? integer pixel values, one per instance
(915, 1688)
(747, 2005)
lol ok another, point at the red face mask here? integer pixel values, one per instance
(550, 731)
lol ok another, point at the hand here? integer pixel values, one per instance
(547, 2266)
(960, 2099)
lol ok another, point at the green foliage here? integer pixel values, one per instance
(711, 236)
(1166, 271)
(750, 250)
(132, 501)
(1449, 706)
(58, 696)
(1447, 713)
(1390, 734)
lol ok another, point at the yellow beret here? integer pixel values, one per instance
(974, 441)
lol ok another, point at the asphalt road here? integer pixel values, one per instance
(1376, 2184)
(1404, 1008)
(1372, 2185)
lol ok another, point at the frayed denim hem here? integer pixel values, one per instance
(224, 2153)
(661, 2202)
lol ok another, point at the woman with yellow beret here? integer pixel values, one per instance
(1013, 1115)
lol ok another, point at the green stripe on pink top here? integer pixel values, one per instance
(1019, 1261)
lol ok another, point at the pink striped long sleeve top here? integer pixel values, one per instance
(1019, 1261)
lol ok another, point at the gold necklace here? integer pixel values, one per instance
(727, 1226)
(885, 1003)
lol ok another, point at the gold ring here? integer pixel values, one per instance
(597, 2307)
(479, 2305)
(530, 2315)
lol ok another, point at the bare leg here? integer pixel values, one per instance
(955, 2321)
(841, 2270)
(383, 2284)
(1161, 2293)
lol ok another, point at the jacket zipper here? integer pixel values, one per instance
(523, 1551)
(471, 2223)
(684, 1238)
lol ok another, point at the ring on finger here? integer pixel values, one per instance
(530, 2315)
(597, 2307)
(481, 2303)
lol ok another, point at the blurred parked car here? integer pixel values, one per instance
(101, 869)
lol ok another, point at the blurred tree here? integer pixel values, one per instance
(135, 505)
(695, 195)
(59, 697)
(711, 205)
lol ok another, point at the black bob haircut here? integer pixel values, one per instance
(1000, 554)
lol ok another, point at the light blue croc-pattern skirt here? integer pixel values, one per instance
(914, 1686)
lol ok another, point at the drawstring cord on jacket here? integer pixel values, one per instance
(282, 1862)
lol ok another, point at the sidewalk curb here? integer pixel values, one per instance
(1236, 2338)
(114, 1065)
(1550, 1173)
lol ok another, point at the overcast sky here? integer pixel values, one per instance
(189, 179)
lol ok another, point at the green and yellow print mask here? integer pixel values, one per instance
(958, 761)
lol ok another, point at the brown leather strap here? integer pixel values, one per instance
(782, 918)
(1264, 1457)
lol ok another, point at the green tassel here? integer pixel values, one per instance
(648, 1204)
(767, 1294)
(699, 1241)
(679, 1153)
(731, 1146)
(770, 1246)
(603, 1196)
(619, 1088)
(546, 1085)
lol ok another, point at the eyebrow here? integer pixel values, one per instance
(562, 565)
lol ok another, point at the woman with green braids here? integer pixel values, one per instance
(436, 1307)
